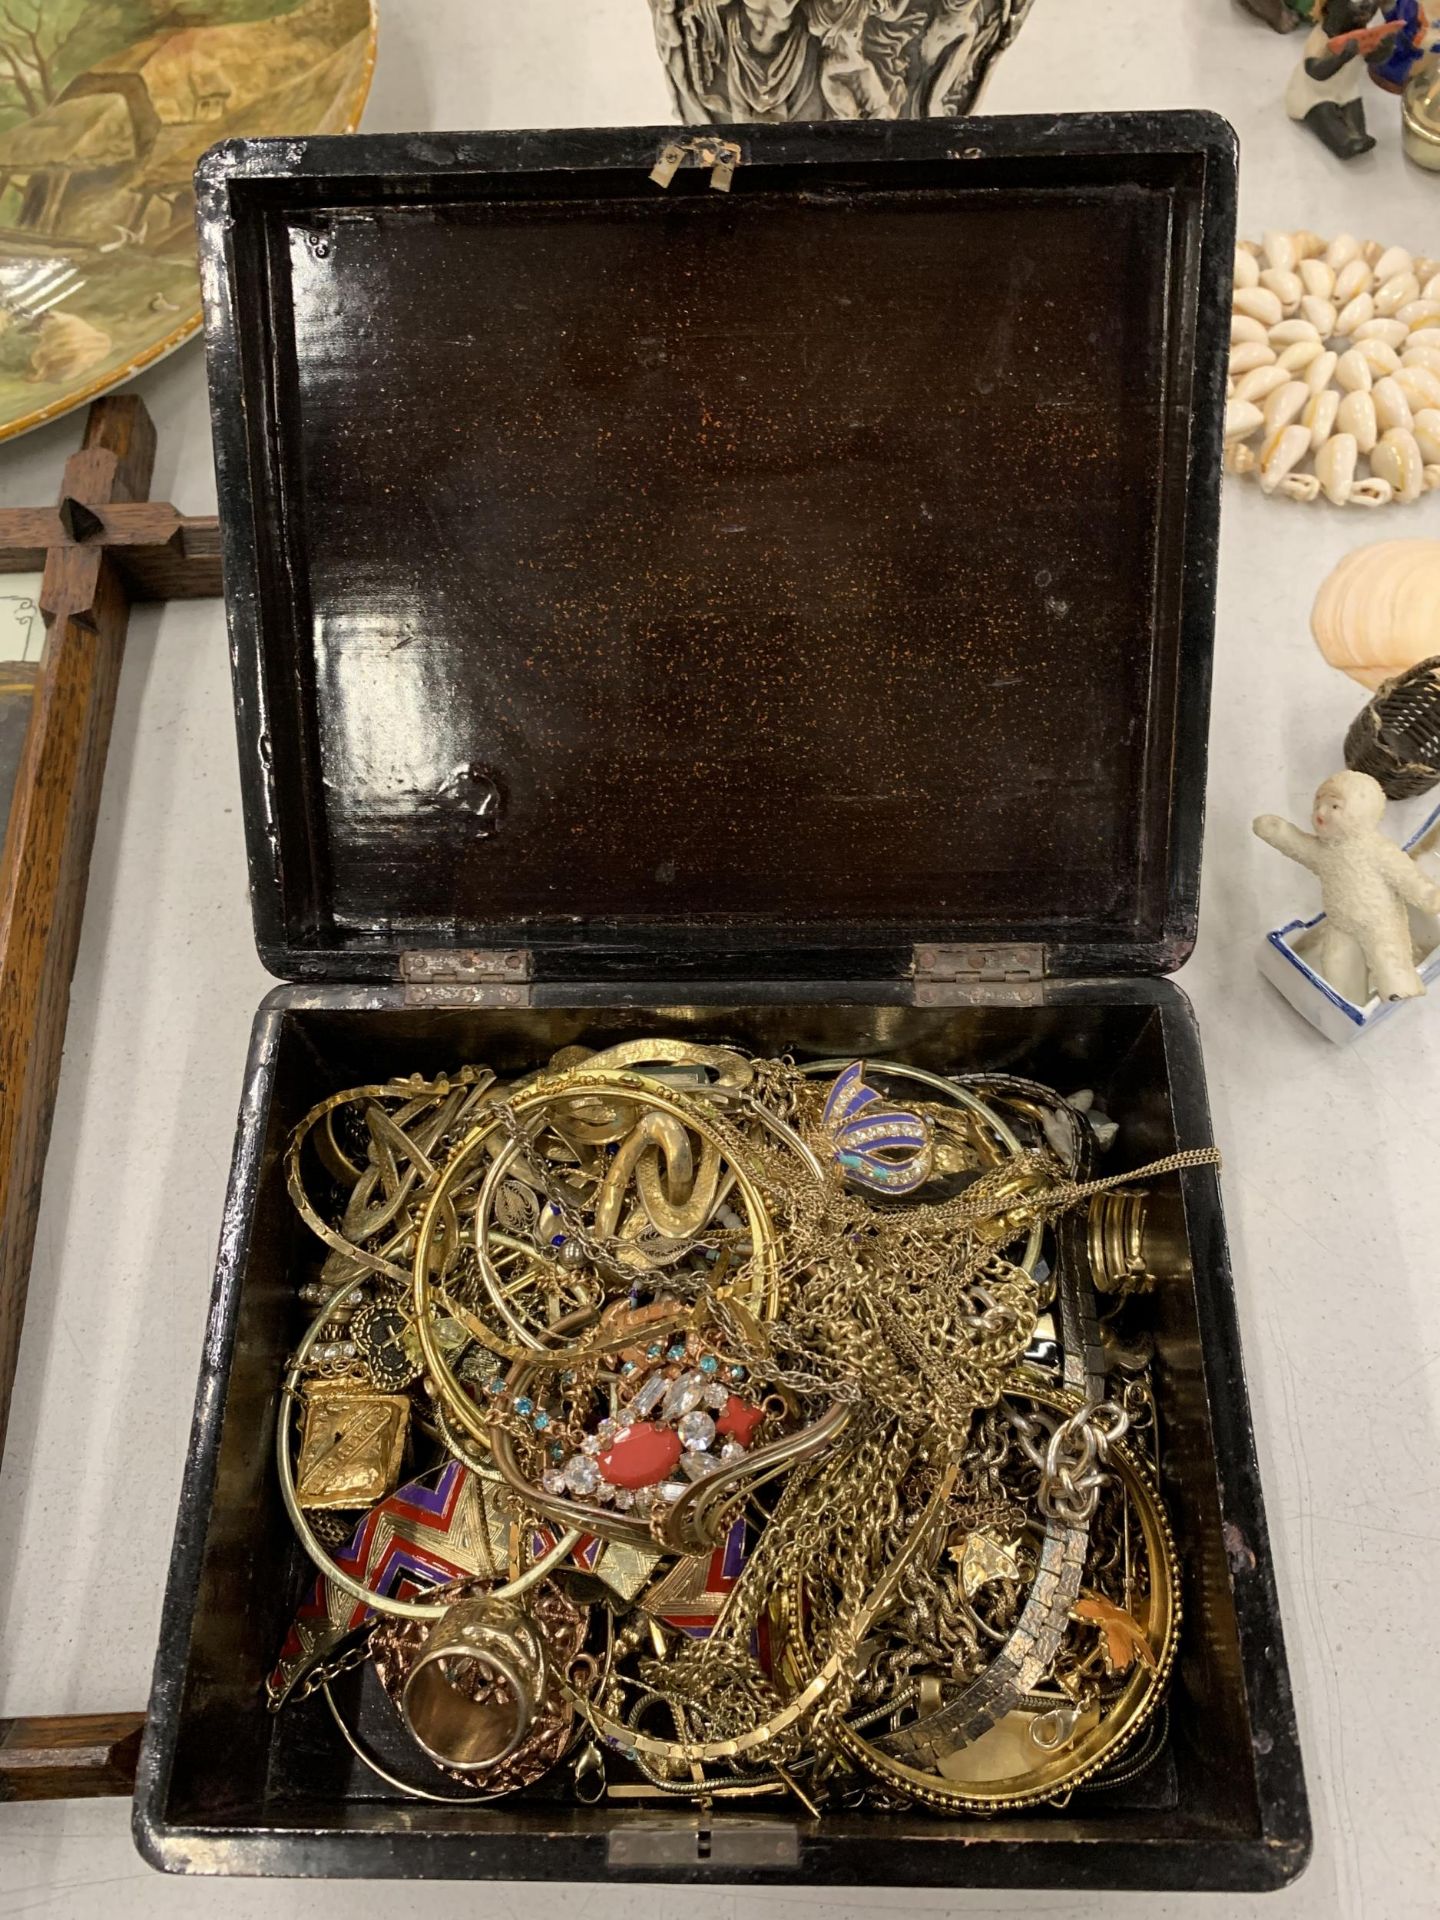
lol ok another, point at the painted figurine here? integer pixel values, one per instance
(1366, 883)
(1399, 54)
(1325, 88)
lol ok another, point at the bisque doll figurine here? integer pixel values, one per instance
(1366, 883)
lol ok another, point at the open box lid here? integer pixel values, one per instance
(675, 579)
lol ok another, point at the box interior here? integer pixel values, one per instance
(824, 563)
(238, 1768)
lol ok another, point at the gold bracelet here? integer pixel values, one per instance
(1098, 1746)
(682, 1752)
(378, 1602)
(578, 1083)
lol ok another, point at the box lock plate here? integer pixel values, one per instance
(467, 976)
(673, 1844)
(1000, 974)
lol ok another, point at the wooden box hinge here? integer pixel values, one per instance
(721, 157)
(467, 976)
(1004, 974)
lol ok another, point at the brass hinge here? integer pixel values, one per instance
(721, 157)
(1008, 974)
(467, 976)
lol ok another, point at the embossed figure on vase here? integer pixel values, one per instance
(730, 60)
(1366, 885)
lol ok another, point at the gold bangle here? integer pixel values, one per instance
(576, 1084)
(337, 1576)
(1099, 1745)
(962, 1097)
(682, 1752)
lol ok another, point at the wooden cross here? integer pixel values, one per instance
(102, 547)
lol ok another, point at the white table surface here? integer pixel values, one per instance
(1331, 1157)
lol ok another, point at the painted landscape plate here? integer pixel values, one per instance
(105, 106)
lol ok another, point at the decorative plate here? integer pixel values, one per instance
(104, 111)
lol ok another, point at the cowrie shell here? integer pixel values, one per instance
(1280, 453)
(1335, 467)
(1392, 409)
(1397, 459)
(1319, 416)
(1356, 416)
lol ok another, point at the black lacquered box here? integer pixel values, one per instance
(782, 615)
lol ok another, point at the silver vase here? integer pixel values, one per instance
(737, 60)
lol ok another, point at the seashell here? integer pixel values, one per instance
(1320, 313)
(1341, 251)
(1280, 453)
(1376, 612)
(1370, 414)
(1427, 433)
(1261, 304)
(1397, 459)
(1319, 373)
(1393, 332)
(1319, 416)
(1260, 382)
(1335, 467)
(1396, 292)
(1284, 405)
(1280, 252)
(1251, 353)
(1392, 409)
(1420, 386)
(1289, 333)
(1378, 357)
(68, 346)
(1355, 314)
(1300, 486)
(1356, 415)
(1285, 286)
(1392, 261)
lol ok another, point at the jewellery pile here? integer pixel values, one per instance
(679, 1422)
(1334, 362)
